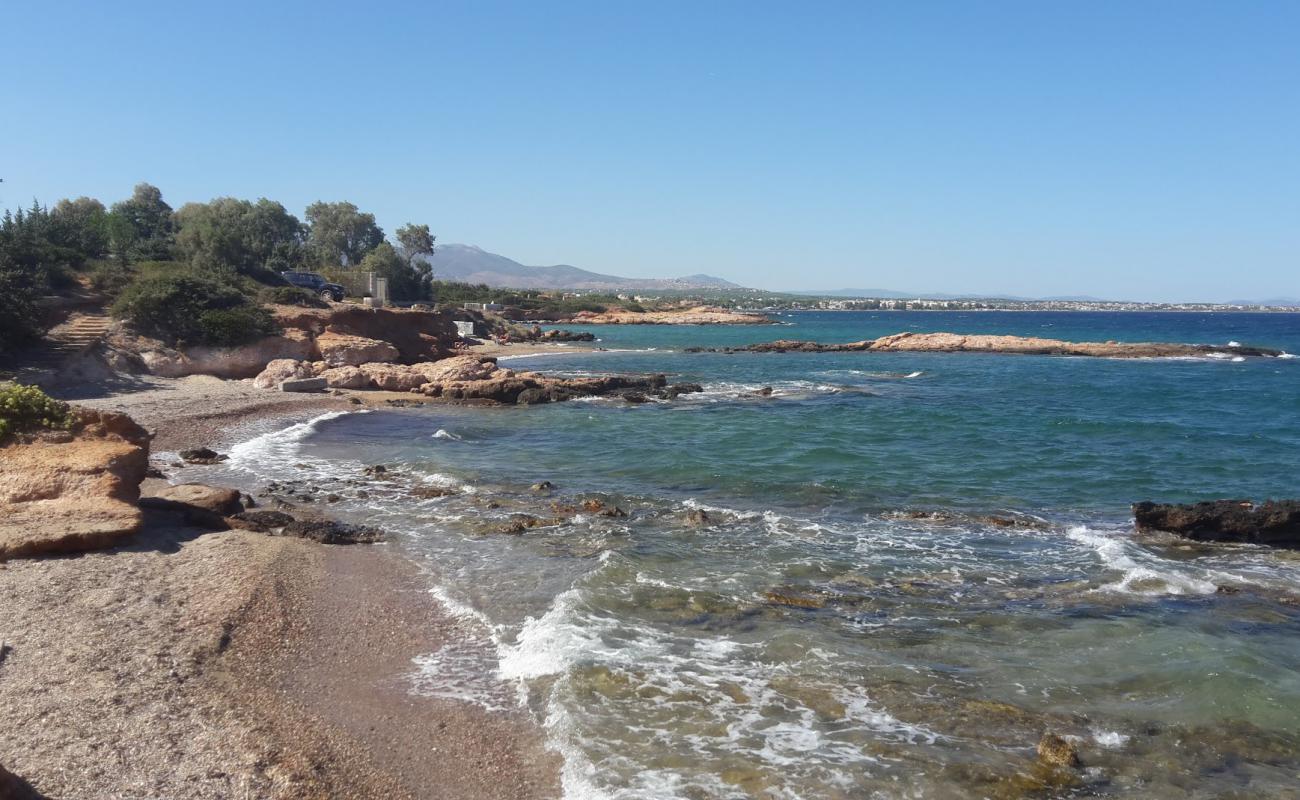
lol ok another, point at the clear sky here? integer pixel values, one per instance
(1143, 150)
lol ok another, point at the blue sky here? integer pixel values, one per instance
(1145, 150)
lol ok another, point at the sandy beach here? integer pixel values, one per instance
(233, 664)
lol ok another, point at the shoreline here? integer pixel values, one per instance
(189, 663)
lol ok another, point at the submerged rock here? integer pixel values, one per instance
(259, 521)
(1275, 523)
(202, 455)
(328, 531)
(1057, 751)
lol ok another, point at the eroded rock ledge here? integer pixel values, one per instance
(1020, 345)
(66, 491)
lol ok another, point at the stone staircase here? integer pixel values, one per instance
(63, 343)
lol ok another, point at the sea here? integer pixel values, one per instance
(888, 577)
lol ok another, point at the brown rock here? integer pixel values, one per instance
(345, 378)
(245, 361)
(341, 349)
(282, 369)
(1056, 751)
(205, 506)
(260, 521)
(76, 494)
(393, 377)
(333, 532)
(1275, 522)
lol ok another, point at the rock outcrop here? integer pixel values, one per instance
(70, 492)
(1018, 345)
(224, 362)
(341, 349)
(417, 335)
(342, 335)
(474, 378)
(1275, 523)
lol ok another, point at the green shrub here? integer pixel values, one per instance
(235, 326)
(110, 277)
(25, 408)
(291, 296)
(182, 307)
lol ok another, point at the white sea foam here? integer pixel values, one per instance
(1149, 578)
(278, 447)
(1111, 740)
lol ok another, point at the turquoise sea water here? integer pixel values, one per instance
(909, 566)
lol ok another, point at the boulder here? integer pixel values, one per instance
(393, 377)
(282, 369)
(73, 492)
(460, 368)
(205, 506)
(202, 455)
(1275, 522)
(1057, 751)
(345, 378)
(304, 385)
(342, 349)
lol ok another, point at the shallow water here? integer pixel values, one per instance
(909, 566)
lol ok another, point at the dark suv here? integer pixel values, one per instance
(316, 284)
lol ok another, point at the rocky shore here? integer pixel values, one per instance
(466, 378)
(1019, 345)
(211, 646)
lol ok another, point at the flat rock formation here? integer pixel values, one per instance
(987, 343)
(468, 378)
(71, 491)
(1275, 523)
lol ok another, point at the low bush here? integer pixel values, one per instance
(291, 296)
(182, 307)
(24, 409)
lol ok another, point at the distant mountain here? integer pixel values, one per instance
(1269, 301)
(469, 264)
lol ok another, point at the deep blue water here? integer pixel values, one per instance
(854, 616)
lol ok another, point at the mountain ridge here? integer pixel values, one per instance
(471, 264)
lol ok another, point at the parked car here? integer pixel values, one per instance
(315, 283)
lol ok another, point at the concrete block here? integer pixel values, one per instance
(304, 385)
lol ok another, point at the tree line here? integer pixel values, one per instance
(227, 251)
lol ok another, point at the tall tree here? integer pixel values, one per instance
(415, 241)
(141, 228)
(231, 234)
(84, 224)
(340, 233)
